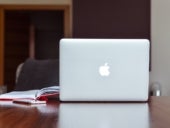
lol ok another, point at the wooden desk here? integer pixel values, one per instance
(48, 116)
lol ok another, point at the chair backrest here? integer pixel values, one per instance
(37, 74)
(19, 68)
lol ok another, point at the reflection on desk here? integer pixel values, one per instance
(28, 116)
(109, 115)
(155, 114)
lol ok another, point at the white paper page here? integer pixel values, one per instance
(19, 94)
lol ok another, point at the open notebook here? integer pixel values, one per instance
(42, 94)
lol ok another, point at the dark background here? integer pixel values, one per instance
(111, 19)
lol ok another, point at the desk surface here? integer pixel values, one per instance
(154, 114)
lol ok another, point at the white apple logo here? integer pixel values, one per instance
(104, 70)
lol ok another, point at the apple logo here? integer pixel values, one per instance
(104, 70)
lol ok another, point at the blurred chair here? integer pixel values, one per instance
(19, 68)
(37, 74)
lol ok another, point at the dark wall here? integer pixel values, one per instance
(111, 19)
(49, 29)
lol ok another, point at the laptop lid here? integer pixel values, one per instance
(104, 69)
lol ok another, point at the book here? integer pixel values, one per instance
(39, 95)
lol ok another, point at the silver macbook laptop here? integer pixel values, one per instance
(104, 69)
